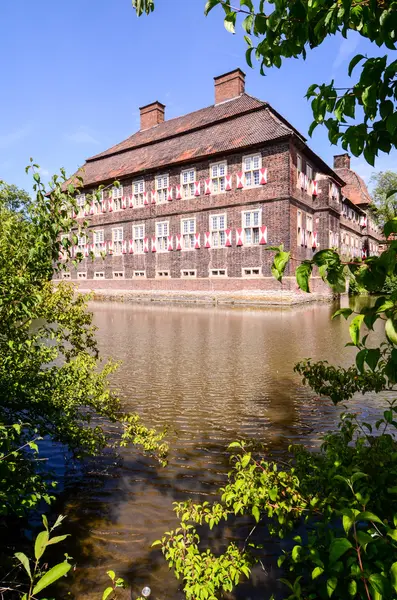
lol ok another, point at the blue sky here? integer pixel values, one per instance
(75, 72)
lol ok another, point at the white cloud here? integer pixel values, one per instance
(8, 139)
(82, 136)
(346, 49)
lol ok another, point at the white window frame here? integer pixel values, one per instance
(253, 170)
(162, 240)
(81, 203)
(99, 239)
(117, 240)
(187, 183)
(138, 240)
(253, 227)
(98, 203)
(217, 273)
(244, 272)
(81, 242)
(299, 233)
(81, 274)
(188, 273)
(309, 172)
(138, 192)
(218, 172)
(139, 274)
(218, 233)
(188, 236)
(118, 275)
(163, 274)
(162, 183)
(309, 231)
(117, 195)
(299, 163)
(99, 274)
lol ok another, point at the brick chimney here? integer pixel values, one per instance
(230, 85)
(152, 114)
(342, 161)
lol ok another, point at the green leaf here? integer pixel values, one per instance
(390, 226)
(338, 548)
(256, 513)
(107, 593)
(345, 312)
(354, 61)
(354, 329)
(23, 559)
(352, 588)
(379, 584)
(111, 574)
(51, 576)
(57, 539)
(40, 544)
(364, 539)
(372, 358)
(331, 586)
(230, 22)
(393, 575)
(303, 273)
(390, 331)
(348, 521)
(317, 572)
(280, 261)
(368, 516)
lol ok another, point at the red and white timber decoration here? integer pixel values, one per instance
(228, 237)
(103, 206)
(154, 248)
(197, 188)
(240, 180)
(197, 241)
(178, 192)
(207, 239)
(239, 236)
(110, 204)
(110, 247)
(131, 201)
(103, 247)
(263, 235)
(92, 208)
(315, 243)
(262, 176)
(301, 180)
(146, 244)
(131, 246)
(145, 199)
(306, 183)
(228, 183)
(170, 194)
(154, 196)
(314, 188)
(364, 254)
(124, 202)
(86, 250)
(124, 247)
(170, 243)
(207, 186)
(363, 221)
(178, 241)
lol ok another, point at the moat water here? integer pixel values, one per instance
(210, 376)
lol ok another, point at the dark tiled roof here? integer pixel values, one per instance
(355, 189)
(239, 123)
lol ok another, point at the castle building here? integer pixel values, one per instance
(201, 197)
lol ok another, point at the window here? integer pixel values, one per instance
(188, 229)
(82, 275)
(97, 202)
(117, 194)
(117, 239)
(162, 188)
(188, 177)
(309, 230)
(138, 190)
(218, 272)
(251, 224)
(81, 242)
(218, 172)
(138, 234)
(162, 274)
(81, 201)
(162, 232)
(299, 163)
(251, 272)
(99, 239)
(99, 275)
(217, 228)
(299, 228)
(139, 274)
(309, 172)
(188, 273)
(251, 166)
(118, 274)
(66, 275)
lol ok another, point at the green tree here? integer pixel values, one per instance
(385, 205)
(361, 117)
(14, 199)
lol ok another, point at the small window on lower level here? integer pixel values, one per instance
(82, 275)
(99, 275)
(188, 273)
(118, 274)
(66, 275)
(251, 272)
(162, 274)
(139, 274)
(218, 272)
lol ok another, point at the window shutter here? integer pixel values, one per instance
(146, 244)
(110, 247)
(228, 241)
(179, 241)
(207, 239)
(154, 197)
(124, 247)
(363, 254)
(86, 249)
(262, 176)
(103, 206)
(74, 215)
(240, 180)
(178, 195)
(124, 202)
(154, 249)
(228, 183)
(207, 186)
(92, 208)
(170, 194)
(197, 188)
(315, 188)
(315, 239)
(130, 201)
(110, 204)
(197, 241)
(263, 235)
(301, 180)
(306, 183)
(131, 246)
(239, 236)
(170, 242)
